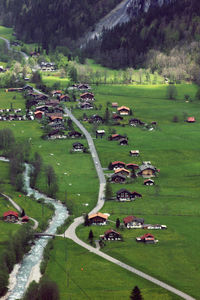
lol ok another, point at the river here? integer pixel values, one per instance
(34, 256)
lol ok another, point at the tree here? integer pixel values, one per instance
(91, 236)
(51, 180)
(86, 222)
(135, 294)
(117, 223)
(108, 191)
(48, 290)
(32, 291)
(107, 116)
(171, 92)
(73, 74)
(197, 96)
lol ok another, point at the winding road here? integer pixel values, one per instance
(71, 231)
(26, 57)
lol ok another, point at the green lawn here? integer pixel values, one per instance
(6, 32)
(51, 80)
(11, 99)
(91, 277)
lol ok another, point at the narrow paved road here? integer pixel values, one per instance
(11, 49)
(71, 231)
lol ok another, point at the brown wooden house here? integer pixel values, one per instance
(123, 172)
(111, 235)
(123, 142)
(98, 219)
(117, 165)
(117, 178)
(134, 153)
(124, 195)
(123, 110)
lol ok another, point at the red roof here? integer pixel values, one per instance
(25, 218)
(63, 96)
(110, 230)
(191, 119)
(118, 162)
(147, 235)
(10, 213)
(128, 219)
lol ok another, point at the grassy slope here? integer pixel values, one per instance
(11, 98)
(173, 148)
(6, 32)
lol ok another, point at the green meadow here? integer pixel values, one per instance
(11, 99)
(91, 277)
(173, 148)
(6, 32)
(51, 80)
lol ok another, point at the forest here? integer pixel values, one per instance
(166, 39)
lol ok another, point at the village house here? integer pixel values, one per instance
(149, 182)
(147, 238)
(98, 219)
(135, 122)
(78, 147)
(134, 153)
(58, 109)
(117, 165)
(123, 142)
(38, 114)
(191, 120)
(10, 216)
(87, 97)
(57, 93)
(117, 118)
(43, 108)
(123, 172)
(56, 134)
(86, 105)
(28, 88)
(146, 170)
(111, 235)
(133, 222)
(74, 134)
(117, 178)
(123, 110)
(64, 98)
(114, 104)
(100, 133)
(14, 90)
(124, 195)
(83, 86)
(96, 119)
(52, 102)
(116, 137)
(132, 166)
(55, 117)
(25, 219)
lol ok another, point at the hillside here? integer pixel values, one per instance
(50, 22)
(165, 38)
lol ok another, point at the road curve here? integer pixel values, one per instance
(11, 49)
(71, 231)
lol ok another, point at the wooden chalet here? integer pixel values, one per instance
(147, 238)
(28, 88)
(111, 235)
(74, 134)
(87, 96)
(117, 118)
(98, 219)
(117, 178)
(78, 147)
(124, 195)
(83, 86)
(52, 102)
(10, 216)
(114, 104)
(38, 114)
(123, 110)
(123, 142)
(132, 166)
(96, 119)
(117, 165)
(135, 122)
(64, 98)
(43, 108)
(57, 93)
(134, 153)
(146, 170)
(25, 219)
(100, 133)
(133, 222)
(116, 137)
(191, 120)
(123, 172)
(86, 105)
(55, 117)
(56, 134)
(149, 182)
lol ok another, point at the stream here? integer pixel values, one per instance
(34, 256)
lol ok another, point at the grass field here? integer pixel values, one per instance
(91, 277)
(174, 200)
(14, 99)
(50, 80)
(6, 32)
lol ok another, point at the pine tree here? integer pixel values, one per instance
(87, 222)
(135, 294)
(91, 236)
(117, 223)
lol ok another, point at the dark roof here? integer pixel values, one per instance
(123, 191)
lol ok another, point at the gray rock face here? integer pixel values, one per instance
(135, 7)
